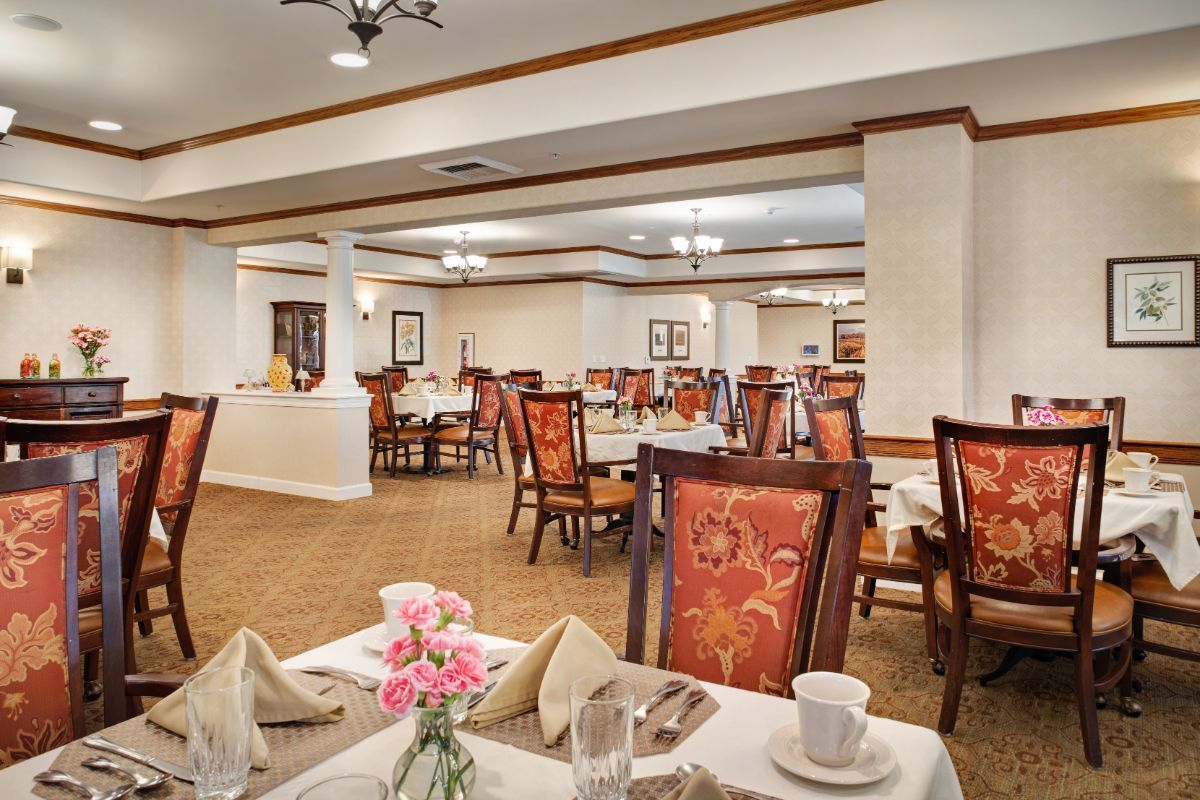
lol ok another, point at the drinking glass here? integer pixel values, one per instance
(602, 736)
(347, 787)
(220, 717)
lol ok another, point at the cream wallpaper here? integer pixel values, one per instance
(782, 331)
(205, 291)
(1049, 211)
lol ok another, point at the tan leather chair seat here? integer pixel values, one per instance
(459, 434)
(90, 620)
(404, 434)
(155, 558)
(1112, 609)
(606, 493)
(527, 482)
(874, 549)
(1151, 585)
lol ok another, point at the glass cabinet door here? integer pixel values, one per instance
(309, 341)
(283, 334)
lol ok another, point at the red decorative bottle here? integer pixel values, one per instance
(25, 366)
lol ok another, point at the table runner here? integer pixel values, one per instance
(657, 786)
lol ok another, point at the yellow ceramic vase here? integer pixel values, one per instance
(279, 374)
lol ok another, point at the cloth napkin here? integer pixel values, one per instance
(590, 387)
(452, 392)
(589, 417)
(541, 678)
(277, 698)
(410, 388)
(673, 421)
(605, 424)
(644, 413)
(701, 786)
(1114, 467)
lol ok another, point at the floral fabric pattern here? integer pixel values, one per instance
(1018, 501)
(513, 401)
(601, 379)
(776, 427)
(1082, 416)
(760, 374)
(841, 389)
(689, 373)
(489, 405)
(550, 428)
(131, 456)
(376, 388)
(182, 438)
(526, 379)
(740, 558)
(689, 401)
(834, 431)
(637, 386)
(35, 698)
(397, 379)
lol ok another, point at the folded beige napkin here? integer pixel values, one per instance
(410, 388)
(541, 678)
(1115, 466)
(701, 786)
(644, 414)
(605, 424)
(277, 698)
(452, 392)
(590, 387)
(673, 421)
(589, 417)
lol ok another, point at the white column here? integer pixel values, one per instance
(339, 314)
(721, 333)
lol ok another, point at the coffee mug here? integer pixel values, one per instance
(650, 425)
(833, 717)
(1140, 480)
(701, 417)
(1143, 460)
(392, 596)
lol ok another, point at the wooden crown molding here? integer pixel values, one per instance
(1186, 453)
(74, 141)
(806, 305)
(784, 248)
(599, 248)
(924, 119)
(1078, 122)
(104, 213)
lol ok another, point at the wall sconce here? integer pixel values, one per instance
(705, 317)
(368, 308)
(16, 261)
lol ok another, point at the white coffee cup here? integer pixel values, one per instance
(833, 717)
(395, 594)
(1140, 480)
(650, 425)
(701, 417)
(1143, 460)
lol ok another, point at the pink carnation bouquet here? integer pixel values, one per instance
(1046, 415)
(89, 340)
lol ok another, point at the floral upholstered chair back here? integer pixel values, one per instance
(466, 379)
(487, 395)
(842, 386)
(376, 385)
(183, 438)
(690, 373)
(778, 403)
(514, 421)
(1029, 410)
(807, 377)
(636, 384)
(526, 376)
(760, 373)
(397, 377)
(686, 400)
(600, 378)
(832, 432)
(551, 440)
(740, 581)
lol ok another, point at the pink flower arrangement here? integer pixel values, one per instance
(572, 374)
(89, 340)
(1046, 415)
(433, 376)
(807, 391)
(431, 666)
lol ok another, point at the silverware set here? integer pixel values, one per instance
(136, 781)
(364, 681)
(668, 689)
(673, 727)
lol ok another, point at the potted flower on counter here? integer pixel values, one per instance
(89, 340)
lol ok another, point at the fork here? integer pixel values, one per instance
(666, 690)
(364, 681)
(671, 728)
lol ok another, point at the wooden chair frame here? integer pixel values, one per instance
(535, 374)
(748, 419)
(755, 371)
(822, 632)
(619, 380)
(714, 406)
(517, 455)
(758, 441)
(591, 373)
(479, 438)
(1114, 406)
(859, 382)
(395, 437)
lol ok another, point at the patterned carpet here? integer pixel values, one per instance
(303, 572)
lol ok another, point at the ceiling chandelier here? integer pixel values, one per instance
(770, 297)
(834, 303)
(464, 264)
(367, 16)
(699, 248)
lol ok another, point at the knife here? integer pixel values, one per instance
(98, 742)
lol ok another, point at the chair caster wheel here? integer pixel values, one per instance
(938, 667)
(565, 541)
(574, 545)
(92, 690)
(1137, 685)
(1139, 655)
(1130, 707)
(1101, 701)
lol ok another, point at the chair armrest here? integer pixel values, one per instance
(880, 508)
(1118, 550)
(152, 684)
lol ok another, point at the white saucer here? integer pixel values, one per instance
(875, 759)
(1131, 493)
(376, 639)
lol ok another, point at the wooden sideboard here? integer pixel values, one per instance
(62, 398)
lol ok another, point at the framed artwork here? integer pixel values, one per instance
(466, 350)
(660, 338)
(408, 337)
(810, 350)
(1152, 301)
(849, 341)
(681, 340)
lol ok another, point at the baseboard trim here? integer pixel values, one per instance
(313, 490)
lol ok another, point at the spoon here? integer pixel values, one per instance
(53, 776)
(142, 782)
(685, 771)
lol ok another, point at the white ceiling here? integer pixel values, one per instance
(816, 215)
(170, 69)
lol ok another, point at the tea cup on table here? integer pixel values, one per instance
(701, 417)
(833, 716)
(393, 595)
(1143, 460)
(1140, 480)
(650, 425)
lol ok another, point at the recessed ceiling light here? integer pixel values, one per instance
(36, 22)
(637, 237)
(351, 60)
(791, 241)
(102, 125)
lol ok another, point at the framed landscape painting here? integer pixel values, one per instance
(660, 334)
(681, 340)
(1152, 301)
(849, 341)
(810, 350)
(408, 337)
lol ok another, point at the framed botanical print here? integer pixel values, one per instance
(1152, 301)
(660, 338)
(681, 340)
(466, 350)
(408, 337)
(849, 341)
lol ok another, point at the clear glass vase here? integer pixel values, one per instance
(435, 766)
(90, 370)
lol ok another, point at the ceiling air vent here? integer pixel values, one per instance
(471, 168)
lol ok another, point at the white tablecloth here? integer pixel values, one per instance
(602, 396)
(1163, 522)
(732, 744)
(426, 407)
(603, 447)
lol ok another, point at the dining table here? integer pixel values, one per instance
(425, 406)
(732, 744)
(1161, 519)
(621, 448)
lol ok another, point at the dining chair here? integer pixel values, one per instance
(837, 435)
(602, 378)
(834, 386)
(749, 394)
(636, 384)
(807, 376)
(716, 372)
(758, 576)
(774, 408)
(760, 373)
(174, 499)
(526, 376)
(687, 397)
(1077, 411)
(481, 429)
(557, 436)
(388, 436)
(42, 501)
(690, 373)
(1155, 598)
(518, 449)
(1009, 554)
(466, 377)
(397, 377)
